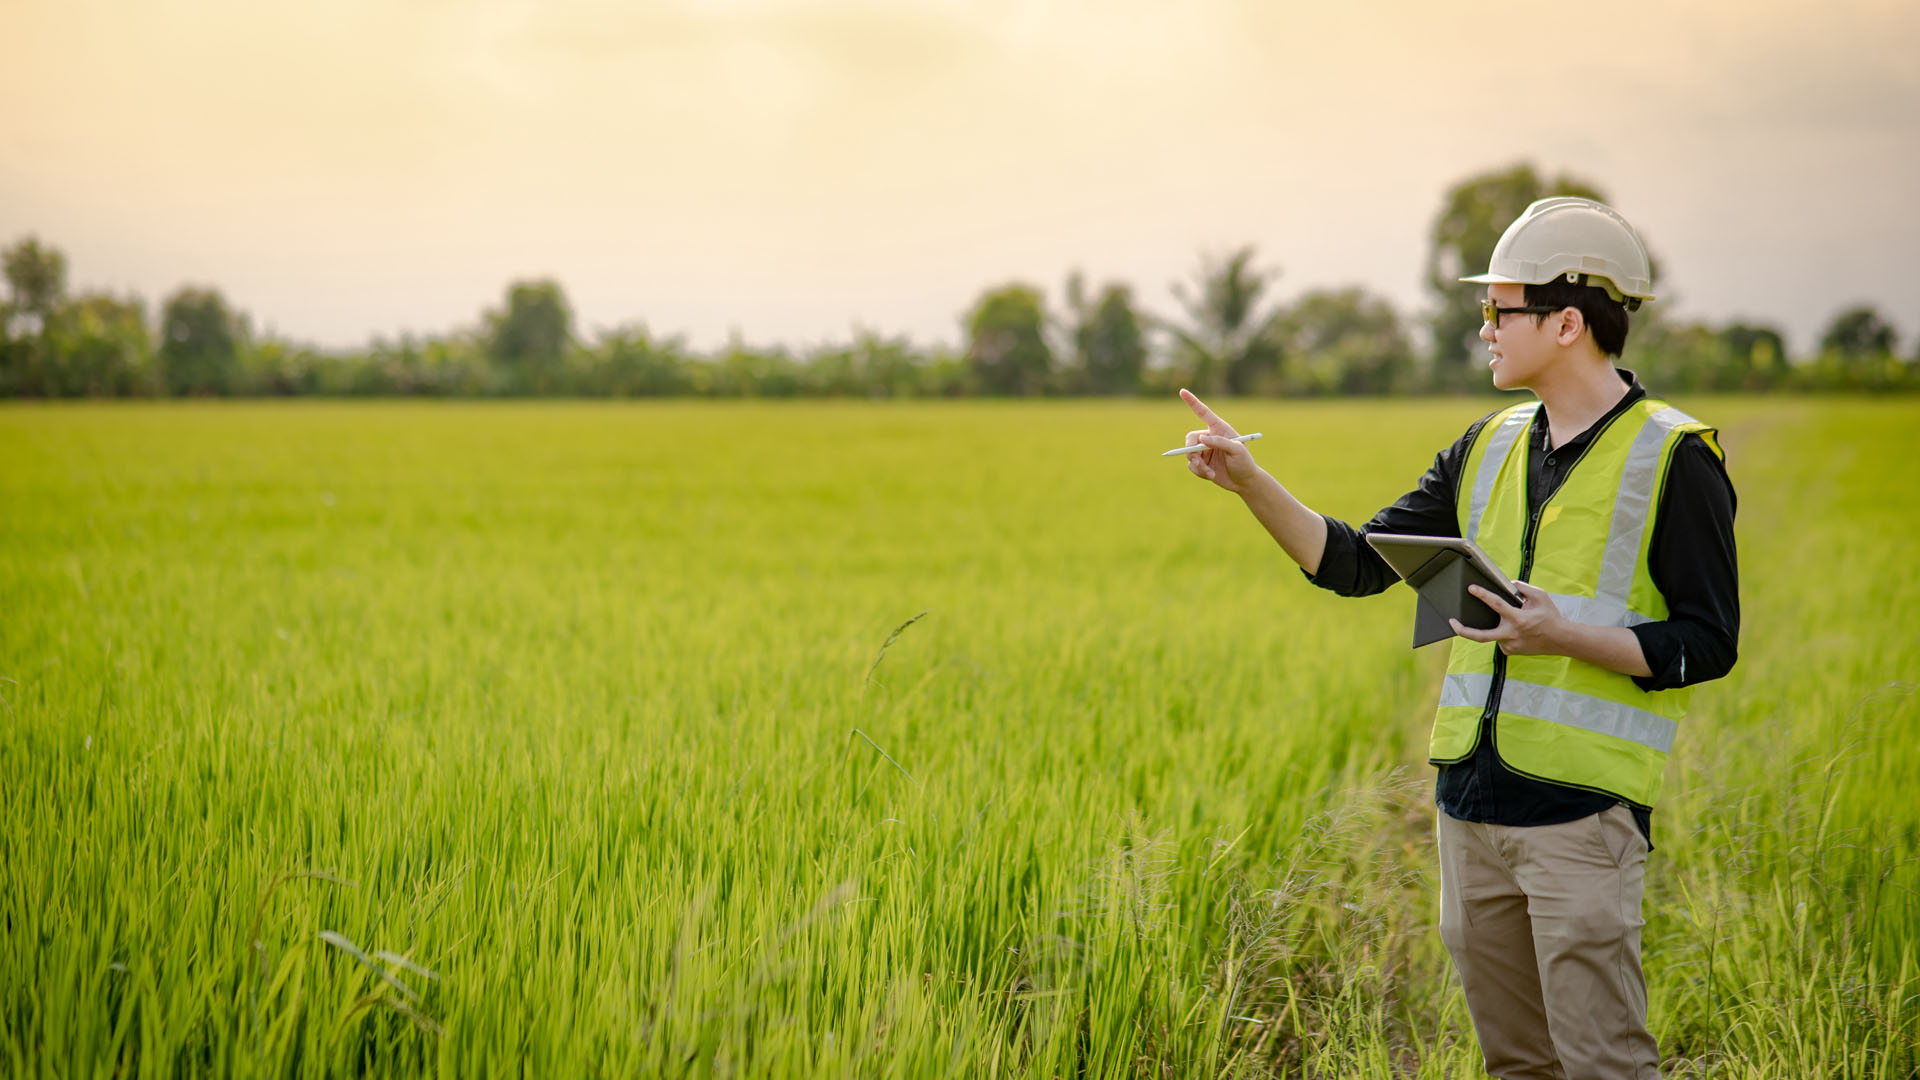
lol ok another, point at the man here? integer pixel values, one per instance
(1615, 514)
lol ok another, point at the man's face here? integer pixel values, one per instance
(1521, 350)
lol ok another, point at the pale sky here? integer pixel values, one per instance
(792, 168)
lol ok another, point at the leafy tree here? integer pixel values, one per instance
(947, 374)
(870, 365)
(456, 365)
(200, 342)
(36, 280)
(406, 366)
(1069, 376)
(392, 367)
(831, 371)
(742, 370)
(1230, 341)
(1859, 332)
(633, 363)
(1346, 341)
(1856, 351)
(15, 362)
(1757, 356)
(1109, 340)
(1006, 341)
(1671, 356)
(528, 337)
(1473, 215)
(100, 346)
(884, 367)
(278, 368)
(36, 284)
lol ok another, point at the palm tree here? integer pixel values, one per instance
(1230, 341)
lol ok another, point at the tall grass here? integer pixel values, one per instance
(571, 740)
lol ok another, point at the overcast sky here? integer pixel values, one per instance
(343, 168)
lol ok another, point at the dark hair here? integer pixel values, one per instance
(1605, 316)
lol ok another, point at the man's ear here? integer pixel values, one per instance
(1572, 324)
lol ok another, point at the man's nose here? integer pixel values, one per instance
(1486, 332)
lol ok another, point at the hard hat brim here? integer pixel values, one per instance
(1603, 282)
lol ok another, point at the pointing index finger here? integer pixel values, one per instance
(1214, 423)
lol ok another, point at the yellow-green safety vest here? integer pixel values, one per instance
(1558, 718)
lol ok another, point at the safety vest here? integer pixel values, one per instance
(1558, 718)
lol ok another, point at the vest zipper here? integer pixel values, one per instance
(1499, 683)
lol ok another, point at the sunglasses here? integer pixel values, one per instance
(1491, 312)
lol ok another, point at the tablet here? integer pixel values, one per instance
(1439, 568)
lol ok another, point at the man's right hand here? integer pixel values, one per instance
(1227, 463)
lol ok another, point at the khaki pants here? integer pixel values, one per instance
(1544, 926)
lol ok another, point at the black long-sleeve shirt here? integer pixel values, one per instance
(1692, 561)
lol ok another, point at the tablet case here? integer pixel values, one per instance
(1441, 585)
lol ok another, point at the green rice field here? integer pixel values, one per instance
(861, 740)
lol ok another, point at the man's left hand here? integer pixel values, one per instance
(1531, 629)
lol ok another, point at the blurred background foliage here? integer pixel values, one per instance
(1231, 334)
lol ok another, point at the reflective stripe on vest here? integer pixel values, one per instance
(1598, 611)
(1563, 707)
(1632, 511)
(1498, 445)
(1633, 505)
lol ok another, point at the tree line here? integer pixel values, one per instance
(1230, 335)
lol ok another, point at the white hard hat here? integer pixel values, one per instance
(1576, 239)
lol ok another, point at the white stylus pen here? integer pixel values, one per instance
(1197, 447)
